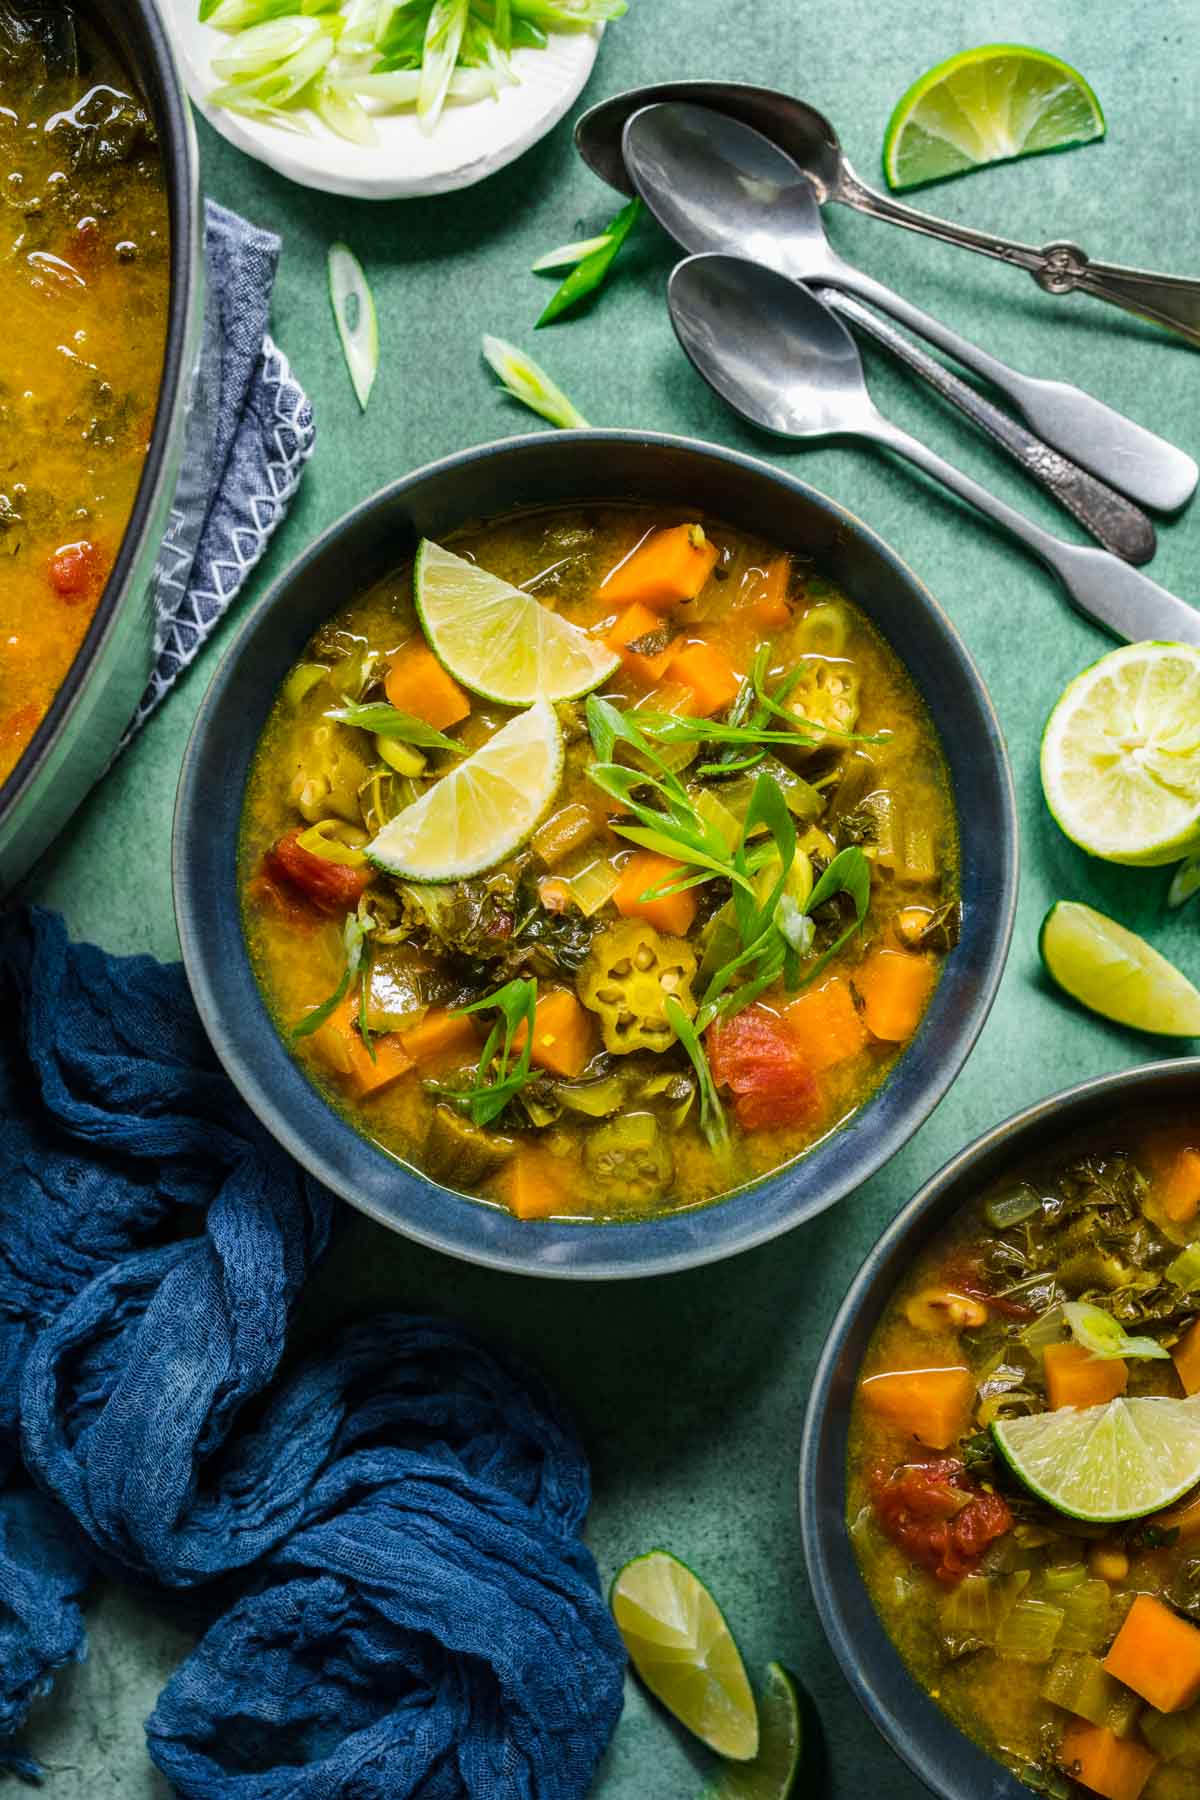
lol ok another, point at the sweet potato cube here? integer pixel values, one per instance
(1186, 1356)
(442, 1040)
(417, 684)
(894, 986)
(645, 871)
(340, 1045)
(770, 606)
(1180, 1191)
(827, 1023)
(532, 1184)
(932, 1405)
(668, 566)
(1157, 1654)
(639, 623)
(1074, 1377)
(563, 1035)
(709, 674)
(1117, 1768)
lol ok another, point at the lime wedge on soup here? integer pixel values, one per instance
(772, 1774)
(1106, 1463)
(683, 1650)
(1121, 755)
(987, 105)
(482, 810)
(499, 641)
(1116, 973)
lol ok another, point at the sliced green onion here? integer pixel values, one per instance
(1184, 1272)
(265, 46)
(1185, 883)
(389, 722)
(354, 311)
(1061, 1578)
(527, 382)
(443, 39)
(587, 276)
(712, 1113)
(1105, 1336)
(343, 113)
(302, 680)
(402, 87)
(567, 256)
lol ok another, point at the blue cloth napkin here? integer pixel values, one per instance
(250, 433)
(419, 1614)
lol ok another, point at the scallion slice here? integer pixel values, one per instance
(529, 383)
(354, 311)
(567, 256)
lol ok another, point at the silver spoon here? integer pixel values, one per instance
(715, 184)
(1115, 521)
(809, 139)
(784, 362)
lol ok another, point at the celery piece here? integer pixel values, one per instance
(1060, 1578)
(303, 678)
(1086, 1611)
(973, 1612)
(1080, 1684)
(1173, 1736)
(527, 382)
(593, 886)
(1030, 1631)
(1184, 1272)
(1012, 1207)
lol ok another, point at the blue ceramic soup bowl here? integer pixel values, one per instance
(554, 469)
(947, 1761)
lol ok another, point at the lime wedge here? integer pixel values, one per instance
(1121, 755)
(772, 1774)
(498, 641)
(683, 1650)
(1116, 973)
(1185, 883)
(482, 810)
(1106, 1463)
(984, 106)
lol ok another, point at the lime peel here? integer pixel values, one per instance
(683, 1650)
(990, 104)
(772, 1774)
(1105, 1464)
(499, 641)
(1115, 973)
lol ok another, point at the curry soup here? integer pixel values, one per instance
(1069, 1650)
(611, 1114)
(83, 290)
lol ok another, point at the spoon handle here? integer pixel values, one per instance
(1126, 602)
(1119, 525)
(1060, 268)
(1131, 458)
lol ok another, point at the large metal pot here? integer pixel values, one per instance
(79, 734)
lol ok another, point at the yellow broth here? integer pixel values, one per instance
(562, 556)
(83, 289)
(1100, 1250)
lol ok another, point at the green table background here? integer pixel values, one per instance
(690, 1390)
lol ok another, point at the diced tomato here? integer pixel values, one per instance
(936, 1514)
(758, 1059)
(77, 572)
(966, 1277)
(328, 886)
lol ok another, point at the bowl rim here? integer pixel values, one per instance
(925, 1738)
(555, 1248)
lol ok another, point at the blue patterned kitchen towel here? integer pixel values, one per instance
(419, 1617)
(250, 433)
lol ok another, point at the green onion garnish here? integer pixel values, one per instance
(389, 722)
(529, 383)
(354, 311)
(586, 278)
(568, 256)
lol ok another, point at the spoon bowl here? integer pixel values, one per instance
(772, 351)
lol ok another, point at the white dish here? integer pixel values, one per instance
(469, 143)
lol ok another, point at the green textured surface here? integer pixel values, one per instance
(691, 1390)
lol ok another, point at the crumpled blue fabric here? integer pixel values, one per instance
(421, 1616)
(434, 1627)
